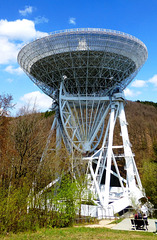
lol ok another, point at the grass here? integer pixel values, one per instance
(116, 221)
(80, 233)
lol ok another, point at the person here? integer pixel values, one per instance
(138, 218)
(139, 215)
(145, 219)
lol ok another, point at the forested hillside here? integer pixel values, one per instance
(142, 120)
(23, 139)
(142, 127)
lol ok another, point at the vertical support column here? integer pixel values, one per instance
(58, 137)
(49, 138)
(58, 131)
(109, 156)
(95, 182)
(127, 149)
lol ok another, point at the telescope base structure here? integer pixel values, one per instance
(113, 178)
(105, 212)
(85, 71)
(115, 186)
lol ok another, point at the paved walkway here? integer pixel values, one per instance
(123, 225)
(126, 225)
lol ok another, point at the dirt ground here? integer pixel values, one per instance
(103, 223)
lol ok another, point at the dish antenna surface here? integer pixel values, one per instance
(85, 72)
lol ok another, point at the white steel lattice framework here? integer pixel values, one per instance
(85, 72)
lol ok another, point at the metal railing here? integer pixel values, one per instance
(125, 213)
(99, 30)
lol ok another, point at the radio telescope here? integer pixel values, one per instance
(85, 72)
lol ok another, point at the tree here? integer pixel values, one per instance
(5, 107)
(149, 176)
(6, 104)
(28, 134)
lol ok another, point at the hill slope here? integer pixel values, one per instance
(142, 120)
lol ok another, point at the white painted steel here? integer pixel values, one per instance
(109, 156)
(131, 187)
(106, 60)
(85, 72)
(83, 119)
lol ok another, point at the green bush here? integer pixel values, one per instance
(149, 176)
(56, 208)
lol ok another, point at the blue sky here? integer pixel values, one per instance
(23, 21)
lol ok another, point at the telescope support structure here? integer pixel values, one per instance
(105, 160)
(105, 163)
(85, 71)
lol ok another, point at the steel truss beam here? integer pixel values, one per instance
(103, 161)
(83, 119)
(84, 71)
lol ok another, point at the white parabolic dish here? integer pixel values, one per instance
(93, 61)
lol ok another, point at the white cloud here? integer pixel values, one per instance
(40, 100)
(13, 35)
(129, 93)
(12, 70)
(142, 83)
(40, 19)
(139, 83)
(20, 30)
(26, 11)
(10, 80)
(153, 80)
(8, 51)
(72, 21)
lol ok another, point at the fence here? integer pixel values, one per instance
(126, 213)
